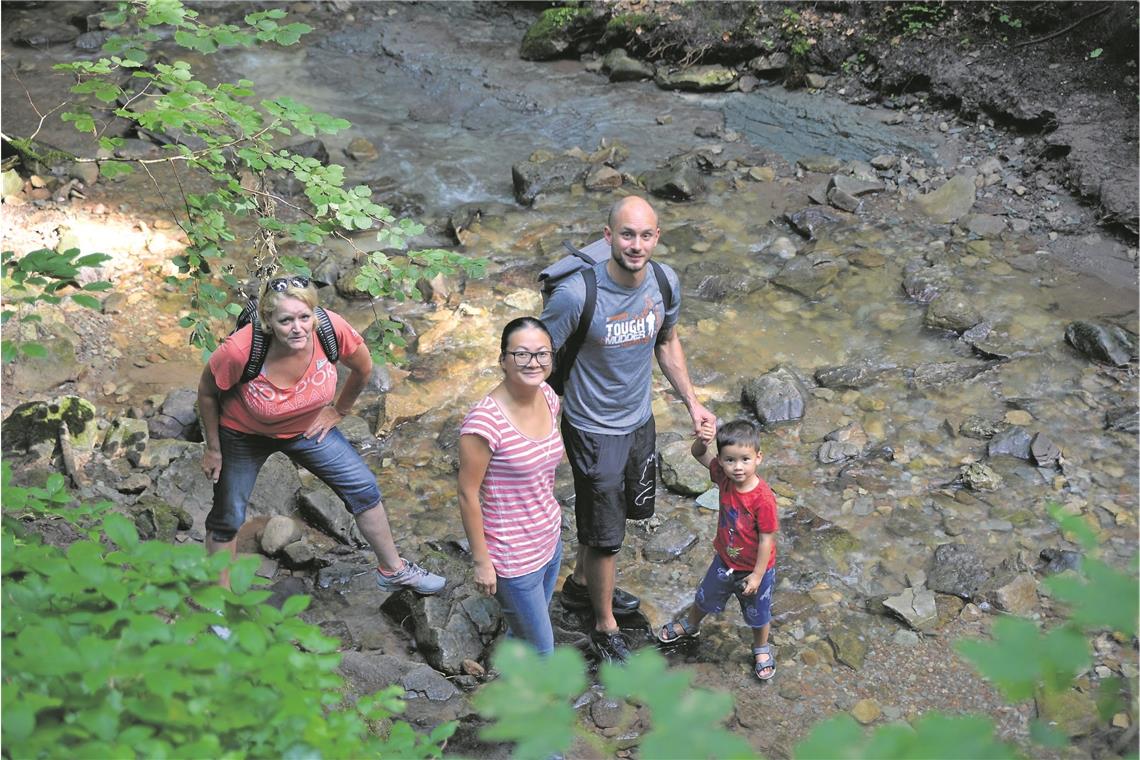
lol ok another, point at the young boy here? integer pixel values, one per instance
(745, 543)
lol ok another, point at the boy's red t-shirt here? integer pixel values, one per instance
(743, 517)
(262, 408)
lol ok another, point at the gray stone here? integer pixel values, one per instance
(678, 180)
(1045, 453)
(695, 78)
(981, 428)
(455, 625)
(884, 162)
(1016, 595)
(156, 520)
(681, 472)
(842, 200)
(37, 422)
(669, 541)
(807, 275)
(820, 164)
(815, 81)
(922, 282)
(622, 68)
(915, 606)
(424, 682)
(956, 569)
(557, 174)
(324, 510)
(1107, 343)
(767, 64)
(161, 452)
(710, 499)
(778, 396)
(984, 225)
(275, 492)
(125, 437)
(849, 644)
(951, 310)
(807, 220)
(854, 186)
(944, 373)
(834, 451)
(302, 555)
(949, 202)
(603, 178)
(164, 427)
(980, 477)
(1014, 441)
(278, 533)
(182, 484)
(1124, 418)
(855, 376)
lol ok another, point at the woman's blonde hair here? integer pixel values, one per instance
(269, 299)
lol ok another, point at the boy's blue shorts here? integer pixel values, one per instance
(720, 583)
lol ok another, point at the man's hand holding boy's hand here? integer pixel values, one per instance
(706, 434)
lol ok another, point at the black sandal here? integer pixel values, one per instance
(669, 632)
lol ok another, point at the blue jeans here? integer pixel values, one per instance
(333, 460)
(526, 603)
(719, 584)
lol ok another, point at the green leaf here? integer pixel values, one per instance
(295, 605)
(112, 169)
(87, 301)
(120, 530)
(1096, 53)
(836, 738)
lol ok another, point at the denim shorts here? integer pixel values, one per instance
(525, 600)
(720, 583)
(333, 460)
(615, 479)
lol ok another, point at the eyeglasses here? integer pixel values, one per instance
(281, 284)
(522, 358)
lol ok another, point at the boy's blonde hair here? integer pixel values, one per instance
(738, 433)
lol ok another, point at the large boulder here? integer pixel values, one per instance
(623, 68)
(553, 35)
(681, 472)
(807, 275)
(678, 180)
(957, 569)
(669, 541)
(324, 510)
(951, 310)
(695, 78)
(531, 178)
(38, 422)
(778, 396)
(455, 625)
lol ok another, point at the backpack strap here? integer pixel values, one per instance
(259, 343)
(665, 288)
(568, 353)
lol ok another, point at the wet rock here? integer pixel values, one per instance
(834, 451)
(1044, 452)
(980, 477)
(1016, 594)
(324, 510)
(710, 499)
(923, 283)
(849, 643)
(1073, 712)
(182, 484)
(609, 713)
(951, 310)
(956, 569)
(949, 202)
(275, 492)
(424, 682)
(815, 81)
(842, 200)
(678, 180)
(1014, 441)
(556, 174)
(361, 150)
(695, 78)
(44, 33)
(943, 373)
(778, 396)
(670, 541)
(156, 520)
(981, 428)
(681, 472)
(39, 422)
(855, 187)
(856, 376)
(774, 63)
(622, 68)
(806, 221)
(984, 225)
(603, 178)
(820, 164)
(553, 35)
(303, 555)
(1125, 418)
(278, 533)
(884, 162)
(1102, 342)
(916, 606)
(722, 287)
(807, 275)
(455, 625)
(181, 406)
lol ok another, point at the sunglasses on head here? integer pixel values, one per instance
(281, 284)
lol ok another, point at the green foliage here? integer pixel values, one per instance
(43, 277)
(1095, 53)
(225, 131)
(108, 652)
(794, 30)
(930, 737)
(530, 705)
(914, 18)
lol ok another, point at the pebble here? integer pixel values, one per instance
(866, 711)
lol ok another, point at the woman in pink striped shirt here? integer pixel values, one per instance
(509, 446)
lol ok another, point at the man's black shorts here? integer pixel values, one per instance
(615, 479)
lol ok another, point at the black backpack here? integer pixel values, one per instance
(583, 261)
(260, 345)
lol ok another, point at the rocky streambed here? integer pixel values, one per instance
(929, 370)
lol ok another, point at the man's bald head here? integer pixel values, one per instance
(629, 202)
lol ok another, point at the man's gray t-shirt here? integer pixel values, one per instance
(608, 390)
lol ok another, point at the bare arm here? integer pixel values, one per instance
(671, 358)
(700, 448)
(359, 364)
(474, 457)
(210, 408)
(763, 554)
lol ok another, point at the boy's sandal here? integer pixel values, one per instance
(678, 630)
(768, 665)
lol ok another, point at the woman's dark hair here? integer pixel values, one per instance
(521, 323)
(738, 433)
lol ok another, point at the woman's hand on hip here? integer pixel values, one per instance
(485, 577)
(212, 464)
(326, 420)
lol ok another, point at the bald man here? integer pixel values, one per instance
(607, 420)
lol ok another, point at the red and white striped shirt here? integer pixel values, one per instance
(522, 520)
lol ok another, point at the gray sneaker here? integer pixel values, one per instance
(411, 576)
